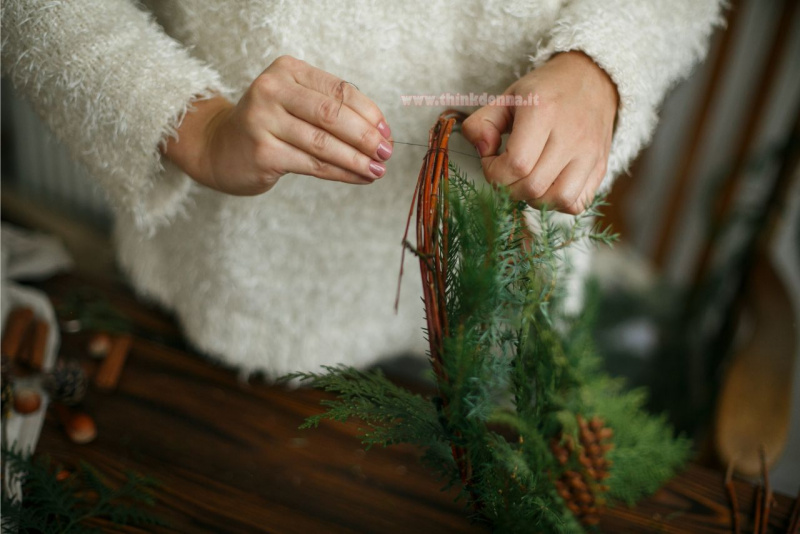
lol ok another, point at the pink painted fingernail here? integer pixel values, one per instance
(482, 148)
(378, 169)
(384, 151)
(384, 129)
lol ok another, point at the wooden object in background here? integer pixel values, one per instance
(754, 404)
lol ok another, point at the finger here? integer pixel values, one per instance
(345, 94)
(530, 134)
(297, 161)
(590, 189)
(327, 147)
(567, 187)
(341, 121)
(536, 184)
(485, 127)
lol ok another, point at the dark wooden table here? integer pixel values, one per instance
(230, 456)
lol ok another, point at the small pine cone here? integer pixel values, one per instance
(580, 489)
(592, 436)
(66, 384)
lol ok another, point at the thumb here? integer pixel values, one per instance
(484, 128)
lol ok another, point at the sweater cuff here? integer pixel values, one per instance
(645, 47)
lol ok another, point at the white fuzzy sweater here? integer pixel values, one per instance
(305, 274)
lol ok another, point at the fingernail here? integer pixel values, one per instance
(384, 129)
(482, 148)
(378, 169)
(384, 151)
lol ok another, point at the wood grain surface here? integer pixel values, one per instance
(230, 457)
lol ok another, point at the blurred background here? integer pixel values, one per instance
(699, 301)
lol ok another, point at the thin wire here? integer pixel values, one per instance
(341, 90)
(432, 149)
(341, 103)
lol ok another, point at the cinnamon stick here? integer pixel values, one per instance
(110, 370)
(38, 348)
(17, 327)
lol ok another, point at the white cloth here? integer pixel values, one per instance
(305, 274)
(29, 256)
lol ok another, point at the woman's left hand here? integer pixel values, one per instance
(557, 150)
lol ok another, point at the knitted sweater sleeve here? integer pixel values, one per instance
(112, 86)
(645, 46)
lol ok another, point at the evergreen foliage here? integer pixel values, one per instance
(67, 506)
(517, 373)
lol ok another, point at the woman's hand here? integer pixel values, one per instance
(558, 149)
(294, 118)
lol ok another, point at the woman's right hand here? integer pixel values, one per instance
(293, 118)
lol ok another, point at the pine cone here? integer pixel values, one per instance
(66, 384)
(581, 489)
(593, 434)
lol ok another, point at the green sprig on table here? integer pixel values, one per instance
(67, 505)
